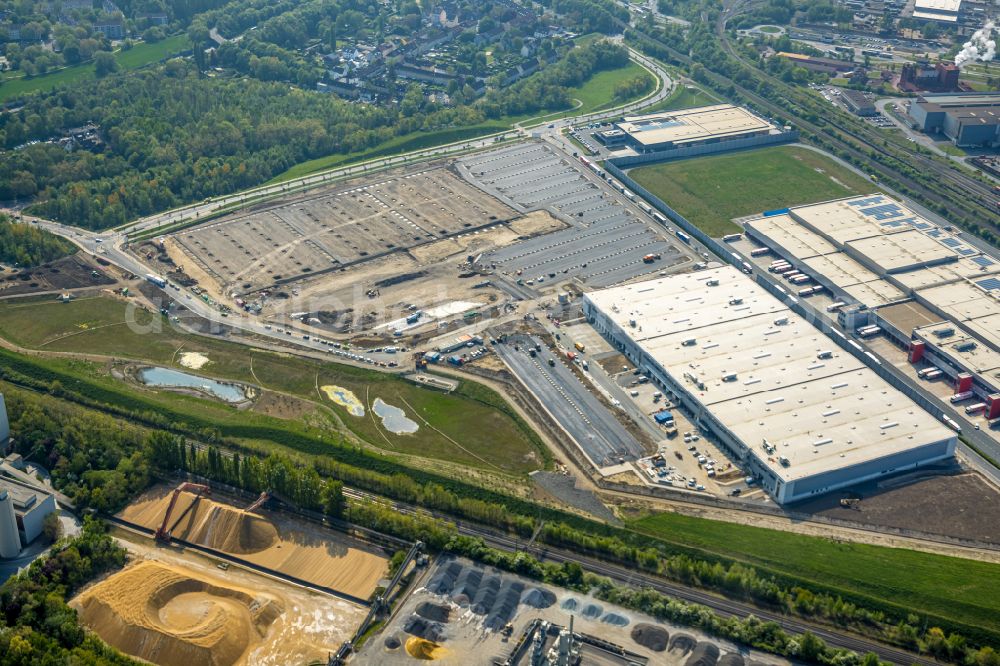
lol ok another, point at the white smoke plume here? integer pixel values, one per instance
(981, 46)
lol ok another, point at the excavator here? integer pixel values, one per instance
(163, 533)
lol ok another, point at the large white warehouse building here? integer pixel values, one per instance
(798, 413)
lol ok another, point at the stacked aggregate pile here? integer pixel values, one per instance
(651, 636)
(682, 644)
(704, 654)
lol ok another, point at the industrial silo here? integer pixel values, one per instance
(4, 424)
(10, 542)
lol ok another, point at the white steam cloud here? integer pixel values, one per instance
(981, 46)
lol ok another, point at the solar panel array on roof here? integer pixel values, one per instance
(989, 284)
(983, 261)
(883, 212)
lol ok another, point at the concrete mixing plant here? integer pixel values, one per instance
(10, 541)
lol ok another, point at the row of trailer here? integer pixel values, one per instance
(789, 272)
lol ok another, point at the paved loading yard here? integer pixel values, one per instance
(334, 229)
(605, 244)
(596, 430)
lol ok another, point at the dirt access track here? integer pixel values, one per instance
(324, 558)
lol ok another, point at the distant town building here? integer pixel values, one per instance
(920, 76)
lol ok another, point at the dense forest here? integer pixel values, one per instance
(37, 628)
(24, 245)
(175, 137)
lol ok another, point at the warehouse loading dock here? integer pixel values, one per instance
(757, 376)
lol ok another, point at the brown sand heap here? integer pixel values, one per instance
(318, 557)
(227, 528)
(419, 648)
(167, 616)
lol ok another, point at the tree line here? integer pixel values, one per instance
(25, 245)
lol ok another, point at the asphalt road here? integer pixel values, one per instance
(595, 430)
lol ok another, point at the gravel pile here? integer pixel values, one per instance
(615, 620)
(443, 580)
(421, 628)
(538, 598)
(682, 644)
(704, 654)
(731, 659)
(651, 636)
(434, 612)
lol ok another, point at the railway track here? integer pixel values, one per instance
(955, 190)
(721, 605)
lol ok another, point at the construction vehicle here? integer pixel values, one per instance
(259, 502)
(163, 533)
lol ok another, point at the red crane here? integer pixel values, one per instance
(163, 534)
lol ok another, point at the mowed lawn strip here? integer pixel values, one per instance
(963, 590)
(488, 436)
(711, 191)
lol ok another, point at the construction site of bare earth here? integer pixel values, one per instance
(279, 591)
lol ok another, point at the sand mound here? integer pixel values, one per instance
(433, 612)
(164, 615)
(193, 360)
(418, 648)
(227, 528)
(321, 558)
(570, 604)
(592, 611)
(392, 643)
(650, 636)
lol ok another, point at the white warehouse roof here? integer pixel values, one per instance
(765, 380)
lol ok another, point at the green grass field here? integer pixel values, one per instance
(684, 97)
(134, 58)
(944, 586)
(711, 191)
(471, 427)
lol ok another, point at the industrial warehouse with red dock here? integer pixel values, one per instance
(891, 271)
(800, 415)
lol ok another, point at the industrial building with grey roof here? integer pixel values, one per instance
(799, 414)
(689, 127)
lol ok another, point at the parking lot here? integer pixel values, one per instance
(605, 244)
(335, 228)
(596, 430)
